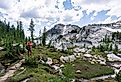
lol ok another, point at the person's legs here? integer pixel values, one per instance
(28, 51)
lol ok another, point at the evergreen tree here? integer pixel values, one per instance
(40, 37)
(31, 29)
(18, 32)
(26, 40)
(8, 27)
(9, 36)
(93, 48)
(20, 25)
(49, 45)
(40, 33)
(116, 48)
(110, 47)
(102, 48)
(21, 30)
(22, 35)
(44, 36)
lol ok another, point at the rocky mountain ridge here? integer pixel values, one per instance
(90, 35)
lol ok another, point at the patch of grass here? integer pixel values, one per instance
(31, 61)
(98, 52)
(39, 74)
(52, 53)
(88, 71)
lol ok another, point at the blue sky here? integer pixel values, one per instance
(50, 12)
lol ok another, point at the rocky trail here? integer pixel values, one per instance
(11, 71)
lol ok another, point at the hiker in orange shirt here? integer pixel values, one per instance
(29, 47)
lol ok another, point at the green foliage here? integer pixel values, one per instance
(69, 51)
(56, 79)
(93, 48)
(12, 52)
(31, 29)
(31, 61)
(118, 77)
(104, 47)
(88, 70)
(110, 48)
(68, 72)
(116, 36)
(116, 48)
(49, 45)
(10, 34)
(44, 36)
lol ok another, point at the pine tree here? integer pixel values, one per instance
(50, 42)
(44, 36)
(18, 32)
(110, 47)
(93, 48)
(8, 27)
(20, 25)
(21, 30)
(22, 35)
(31, 29)
(40, 37)
(116, 48)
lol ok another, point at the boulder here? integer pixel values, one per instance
(55, 67)
(92, 62)
(1, 48)
(49, 61)
(55, 61)
(16, 44)
(88, 51)
(22, 68)
(102, 63)
(75, 54)
(62, 65)
(77, 50)
(73, 80)
(88, 55)
(113, 57)
(64, 59)
(72, 58)
(60, 72)
(78, 71)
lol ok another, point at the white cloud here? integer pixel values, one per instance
(49, 12)
(99, 5)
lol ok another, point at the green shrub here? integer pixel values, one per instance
(12, 52)
(118, 77)
(31, 61)
(68, 72)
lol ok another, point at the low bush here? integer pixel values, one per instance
(31, 61)
(118, 77)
